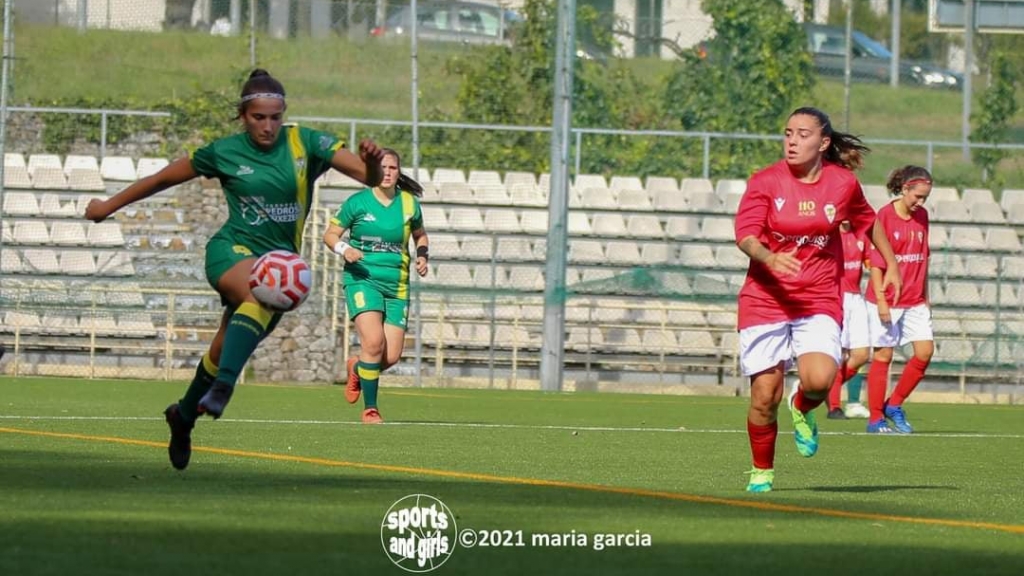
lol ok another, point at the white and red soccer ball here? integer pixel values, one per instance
(280, 280)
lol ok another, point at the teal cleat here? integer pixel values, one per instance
(805, 428)
(761, 480)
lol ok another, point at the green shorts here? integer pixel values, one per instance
(221, 255)
(363, 297)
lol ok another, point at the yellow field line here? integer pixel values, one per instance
(678, 496)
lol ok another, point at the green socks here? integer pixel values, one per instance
(853, 388)
(369, 378)
(246, 328)
(206, 372)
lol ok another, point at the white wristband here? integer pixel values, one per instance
(340, 246)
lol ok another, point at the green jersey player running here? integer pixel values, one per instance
(267, 173)
(380, 221)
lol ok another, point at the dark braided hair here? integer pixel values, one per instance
(843, 149)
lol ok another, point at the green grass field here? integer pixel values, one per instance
(289, 482)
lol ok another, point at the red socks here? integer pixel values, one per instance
(878, 383)
(804, 403)
(912, 375)
(762, 444)
(835, 392)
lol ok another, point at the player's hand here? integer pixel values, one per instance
(892, 278)
(421, 266)
(784, 263)
(883, 313)
(370, 152)
(97, 210)
(352, 255)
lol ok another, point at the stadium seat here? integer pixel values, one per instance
(484, 178)
(947, 327)
(540, 249)
(987, 213)
(1010, 197)
(954, 350)
(14, 160)
(456, 193)
(501, 220)
(712, 285)
(150, 166)
(950, 211)
(80, 162)
(532, 312)
(487, 277)
(727, 186)
(37, 161)
(513, 249)
(527, 195)
(621, 340)
(126, 294)
(977, 323)
(690, 186)
(7, 236)
(434, 218)
(938, 239)
(83, 200)
(120, 168)
(682, 227)
(472, 335)
(51, 206)
(731, 258)
(696, 256)
(997, 295)
(31, 232)
(731, 203)
(422, 175)
(527, 278)
(966, 238)
(467, 310)
(59, 323)
(696, 343)
(476, 247)
(620, 183)
(936, 294)
(945, 265)
(972, 196)
(943, 194)
(68, 234)
(578, 224)
(597, 198)
(634, 200)
(721, 316)
(17, 177)
(81, 179)
(514, 178)
(1013, 268)
(669, 200)
(77, 263)
(513, 337)
(584, 181)
(717, 228)
(686, 318)
(39, 261)
(136, 325)
(609, 224)
(659, 341)
(494, 195)
(21, 321)
(660, 184)
(591, 276)
(704, 202)
(586, 251)
(979, 266)
(114, 264)
(10, 262)
(1015, 215)
(962, 293)
(452, 274)
(584, 338)
(992, 351)
(108, 234)
(654, 253)
(100, 323)
(446, 175)
(623, 253)
(730, 344)
(47, 178)
(644, 226)
(430, 192)
(877, 195)
(1002, 240)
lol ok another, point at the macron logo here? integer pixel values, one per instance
(244, 170)
(778, 204)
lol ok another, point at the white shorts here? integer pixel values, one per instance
(908, 325)
(764, 346)
(856, 327)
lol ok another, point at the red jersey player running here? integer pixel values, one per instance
(895, 322)
(791, 303)
(856, 337)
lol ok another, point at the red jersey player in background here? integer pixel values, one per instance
(791, 303)
(908, 318)
(856, 337)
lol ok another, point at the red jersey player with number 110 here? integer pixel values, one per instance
(791, 303)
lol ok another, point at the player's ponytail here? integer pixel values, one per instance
(906, 176)
(404, 182)
(844, 149)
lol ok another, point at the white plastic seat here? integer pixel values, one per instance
(452, 274)
(717, 228)
(951, 211)
(937, 237)
(962, 293)
(486, 276)
(997, 295)
(1015, 215)
(527, 195)
(584, 338)
(435, 218)
(686, 317)
(14, 160)
(721, 316)
(497, 195)
(17, 177)
(456, 192)
(731, 202)
(1002, 240)
(592, 275)
(659, 341)
(136, 325)
(466, 219)
(597, 198)
(656, 253)
(936, 294)
(37, 161)
(58, 323)
(10, 262)
(966, 238)
(120, 168)
(619, 183)
(690, 186)
(476, 247)
(83, 200)
(513, 337)
(443, 175)
(947, 326)
(150, 166)
(40, 261)
(51, 206)
(584, 181)
(712, 285)
(644, 226)
(528, 278)
(109, 234)
(682, 227)
(704, 202)
(80, 162)
(513, 178)
(1010, 197)
(727, 186)
(501, 220)
(946, 264)
(114, 264)
(609, 224)
(730, 344)
(85, 179)
(7, 236)
(484, 178)
(661, 183)
(472, 335)
(514, 249)
(126, 294)
(578, 224)
(980, 266)
(24, 322)
(45, 178)
(977, 324)
(696, 256)
(730, 257)
(696, 343)
(77, 263)
(954, 350)
(31, 232)
(534, 221)
(669, 200)
(68, 234)
(623, 252)
(943, 194)
(586, 251)
(634, 200)
(1013, 267)
(877, 195)
(987, 213)
(972, 196)
(622, 340)
(100, 323)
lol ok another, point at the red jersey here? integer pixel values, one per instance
(785, 213)
(909, 239)
(853, 258)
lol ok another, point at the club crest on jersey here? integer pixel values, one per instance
(830, 212)
(920, 237)
(244, 170)
(860, 245)
(778, 204)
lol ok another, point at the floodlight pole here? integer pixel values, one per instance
(8, 45)
(894, 62)
(847, 65)
(968, 69)
(552, 352)
(415, 153)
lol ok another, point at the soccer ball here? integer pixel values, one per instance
(280, 280)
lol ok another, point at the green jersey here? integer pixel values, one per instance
(268, 191)
(382, 233)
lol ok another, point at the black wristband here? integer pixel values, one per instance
(423, 252)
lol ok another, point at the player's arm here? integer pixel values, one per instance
(422, 243)
(175, 173)
(365, 167)
(751, 215)
(892, 271)
(876, 284)
(332, 238)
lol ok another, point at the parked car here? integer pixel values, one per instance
(870, 60)
(467, 22)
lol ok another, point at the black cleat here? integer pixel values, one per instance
(837, 414)
(216, 399)
(180, 447)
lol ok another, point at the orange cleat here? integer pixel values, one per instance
(352, 387)
(372, 416)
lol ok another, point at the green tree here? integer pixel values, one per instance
(992, 119)
(755, 72)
